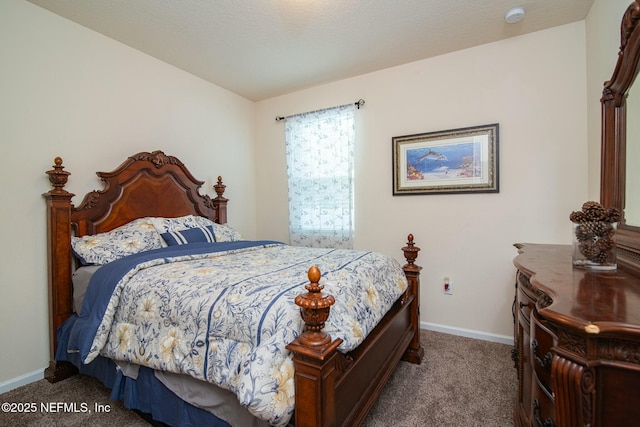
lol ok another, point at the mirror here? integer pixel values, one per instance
(632, 178)
(619, 184)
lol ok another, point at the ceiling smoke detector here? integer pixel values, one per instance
(514, 15)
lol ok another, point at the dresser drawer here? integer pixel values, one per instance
(542, 340)
(543, 411)
(525, 304)
(526, 294)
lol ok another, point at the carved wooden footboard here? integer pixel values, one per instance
(332, 388)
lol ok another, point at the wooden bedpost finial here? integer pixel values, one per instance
(410, 251)
(219, 187)
(57, 176)
(220, 203)
(314, 309)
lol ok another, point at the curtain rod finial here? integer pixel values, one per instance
(359, 103)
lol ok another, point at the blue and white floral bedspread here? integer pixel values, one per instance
(226, 316)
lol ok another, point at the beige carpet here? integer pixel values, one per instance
(461, 382)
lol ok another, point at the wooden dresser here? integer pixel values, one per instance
(577, 342)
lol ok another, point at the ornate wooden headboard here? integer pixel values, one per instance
(146, 184)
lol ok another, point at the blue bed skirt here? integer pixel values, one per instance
(145, 394)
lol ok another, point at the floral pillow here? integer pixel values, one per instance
(166, 225)
(137, 236)
(223, 233)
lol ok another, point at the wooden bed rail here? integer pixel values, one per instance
(323, 397)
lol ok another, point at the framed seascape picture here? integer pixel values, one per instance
(461, 160)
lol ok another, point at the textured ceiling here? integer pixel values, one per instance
(264, 48)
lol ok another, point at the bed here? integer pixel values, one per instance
(336, 366)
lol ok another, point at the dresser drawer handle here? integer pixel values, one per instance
(545, 362)
(523, 304)
(536, 413)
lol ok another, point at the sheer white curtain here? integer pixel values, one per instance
(320, 147)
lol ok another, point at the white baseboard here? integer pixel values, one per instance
(502, 339)
(25, 379)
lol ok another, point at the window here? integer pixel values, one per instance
(320, 147)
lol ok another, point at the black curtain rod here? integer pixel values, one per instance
(359, 103)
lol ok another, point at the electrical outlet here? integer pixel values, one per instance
(447, 285)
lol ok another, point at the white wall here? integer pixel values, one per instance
(534, 86)
(70, 92)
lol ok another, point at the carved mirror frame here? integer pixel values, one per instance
(614, 133)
